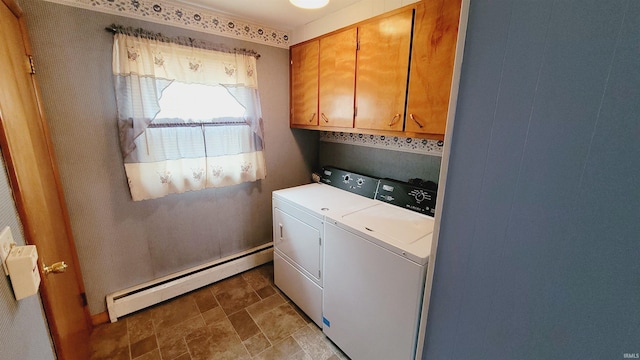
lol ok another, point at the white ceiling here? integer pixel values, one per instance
(279, 14)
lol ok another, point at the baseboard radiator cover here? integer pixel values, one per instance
(156, 291)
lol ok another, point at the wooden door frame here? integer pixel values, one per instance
(19, 199)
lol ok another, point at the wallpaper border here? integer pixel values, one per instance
(187, 17)
(396, 143)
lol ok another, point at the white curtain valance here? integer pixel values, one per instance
(162, 60)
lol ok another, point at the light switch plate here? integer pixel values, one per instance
(6, 243)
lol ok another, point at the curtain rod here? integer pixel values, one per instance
(165, 125)
(180, 40)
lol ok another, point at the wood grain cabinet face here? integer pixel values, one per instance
(337, 78)
(387, 75)
(304, 84)
(382, 71)
(434, 48)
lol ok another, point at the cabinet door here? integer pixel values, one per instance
(304, 84)
(383, 67)
(337, 78)
(434, 49)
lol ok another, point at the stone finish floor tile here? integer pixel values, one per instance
(110, 341)
(184, 357)
(265, 305)
(153, 355)
(204, 299)
(282, 350)
(265, 292)
(139, 326)
(257, 344)
(280, 322)
(244, 324)
(172, 340)
(174, 312)
(235, 294)
(220, 342)
(242, 317)
(213, 316)
(144, 346)
(256, 279)
(300, 355)
(313, 343)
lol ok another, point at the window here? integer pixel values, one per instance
(198, 103)
(189, 118)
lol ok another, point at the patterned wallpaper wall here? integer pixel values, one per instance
(184, 16)
(122, 243)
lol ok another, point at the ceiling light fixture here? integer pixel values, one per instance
(309, 4)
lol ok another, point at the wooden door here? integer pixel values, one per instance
(35, 183)
(337, 78)
(434, 49)
(304, 84)
(383, 67)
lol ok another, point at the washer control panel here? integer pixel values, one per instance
(407, 196)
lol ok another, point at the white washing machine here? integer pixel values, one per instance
(375, 264)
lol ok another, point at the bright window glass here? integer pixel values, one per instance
(198, 103)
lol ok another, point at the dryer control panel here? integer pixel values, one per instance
(347, 180)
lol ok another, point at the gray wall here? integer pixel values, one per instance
(539, 249)
(122, 243)
(380, 163)
(22, 323)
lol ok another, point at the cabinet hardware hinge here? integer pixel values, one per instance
(32, 67)
(355, 111)
(320, 241)
(319, 276)
(358, 45)
(83, 299)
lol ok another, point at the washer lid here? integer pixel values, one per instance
(404, 226)
(402, 231)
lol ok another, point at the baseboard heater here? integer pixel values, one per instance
(153, 292)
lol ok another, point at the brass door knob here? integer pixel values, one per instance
(56, 268)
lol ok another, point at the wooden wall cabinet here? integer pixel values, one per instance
(382, 71)
(304, 84)
(337, 78)
(434, 48)
(389, 75)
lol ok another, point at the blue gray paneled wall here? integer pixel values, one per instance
(539, 249)
(22, 323)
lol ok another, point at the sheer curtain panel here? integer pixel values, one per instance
(189, 118)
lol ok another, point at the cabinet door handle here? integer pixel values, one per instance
(324, 117)
(280, 231)
(312, 117)
(394, 120)
(416, 121)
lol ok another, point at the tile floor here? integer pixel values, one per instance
(242, 317)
